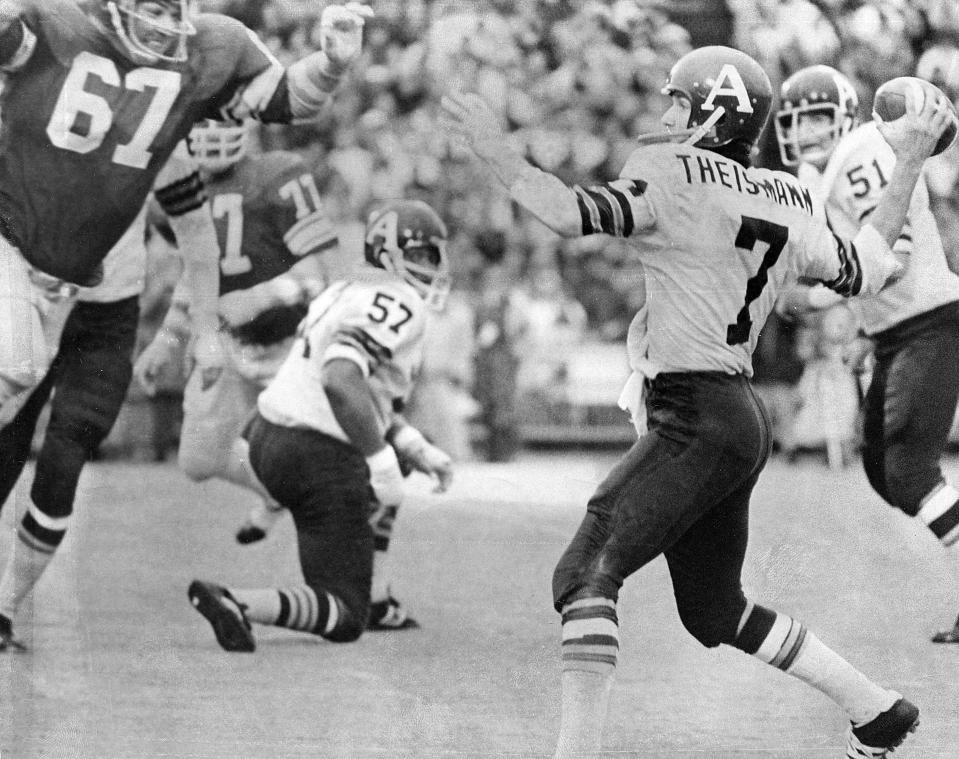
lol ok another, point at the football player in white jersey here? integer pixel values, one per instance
(90, 374)
(325, 438)
(718, 241)
(913, 323)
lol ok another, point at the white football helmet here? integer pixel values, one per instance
(149, 31)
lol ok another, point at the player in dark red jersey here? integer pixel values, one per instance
(718, 239)
(91, 372)
(96, 96)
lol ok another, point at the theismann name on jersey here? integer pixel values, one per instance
(705, 169)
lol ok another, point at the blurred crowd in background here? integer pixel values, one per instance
(576, 81)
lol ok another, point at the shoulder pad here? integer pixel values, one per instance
(67, 28)
(219, 50)
(650, 159)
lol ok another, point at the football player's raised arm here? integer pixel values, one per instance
(912, 138)
(17, 41)
(610, 208)
(303, 89)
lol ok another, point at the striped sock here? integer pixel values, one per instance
(38, 537)
(771, 637)
(590, 635)
(788, 645)
(590, 650)
(297, 608)
(940, 513)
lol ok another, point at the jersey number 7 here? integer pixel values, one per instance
(755, 230)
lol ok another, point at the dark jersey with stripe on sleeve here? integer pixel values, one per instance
(268, 215)
(85, 131)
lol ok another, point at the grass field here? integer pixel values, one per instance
(121, 666)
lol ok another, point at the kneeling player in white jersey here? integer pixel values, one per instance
(913, 323)
(718, 241)
(323, 439)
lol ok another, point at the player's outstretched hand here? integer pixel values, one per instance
(914, 135)
(437, 464)
(341, 32)
(155, 358)
(206, 356)
(467, 116)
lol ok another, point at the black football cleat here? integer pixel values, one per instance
(947, 636)
(258, 524)
(390, 615)
(881, 736)
(226, 615)
(9, 644)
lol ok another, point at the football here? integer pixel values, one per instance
(890, 104)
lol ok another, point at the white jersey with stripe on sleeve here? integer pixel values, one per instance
(377, 321)
(851, 185)
(718, 243)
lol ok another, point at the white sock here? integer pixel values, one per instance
(590, 651)
(819, 666)
(262, 604)
(380, 584)
(24, 568)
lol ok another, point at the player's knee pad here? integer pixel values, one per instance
(199, 465)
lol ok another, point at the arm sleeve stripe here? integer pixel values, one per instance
(183, 195)
(619, 222)
(310, 233)
(617, 189)
(849, 281)
(607, 208)
(588, 211)
(361, 340)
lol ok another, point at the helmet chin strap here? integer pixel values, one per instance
(703, 128)
(688, 136)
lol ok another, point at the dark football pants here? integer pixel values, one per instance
(910, 406)
(89, 378)
(325, 483)
(683, 490)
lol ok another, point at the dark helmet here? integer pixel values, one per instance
(729, 92)
(125, 21)
(408, 238)
(814, 90)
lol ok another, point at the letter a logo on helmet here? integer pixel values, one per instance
(729, 95)
(736, 89)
